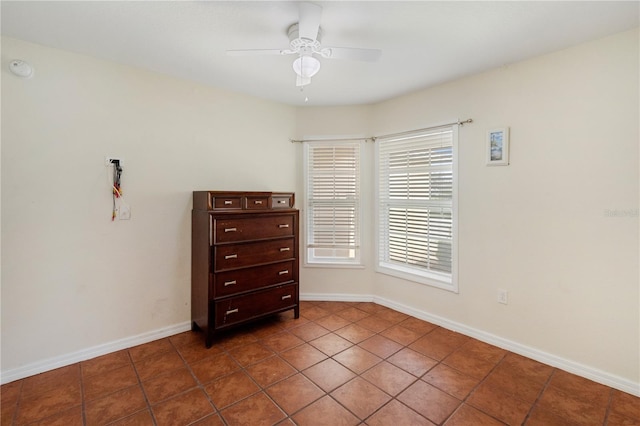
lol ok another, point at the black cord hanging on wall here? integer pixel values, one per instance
(116, 190)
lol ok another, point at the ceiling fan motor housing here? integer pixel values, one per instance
(303, 44)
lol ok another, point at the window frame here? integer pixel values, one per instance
(416, 274)
(332, 262)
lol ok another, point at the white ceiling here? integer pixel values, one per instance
(423, 42)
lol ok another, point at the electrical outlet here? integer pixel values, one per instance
(124, 212)
(503, 296)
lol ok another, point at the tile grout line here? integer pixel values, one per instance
(144, 394)
(297, 371)
(288, 416)
(359, 375)
(202, 386)
(441, 362)
(14, 419)
(199, 385)
(226, 350)
(261, 389)
(544, 388)
(418, 378)
(394, 398)
(464, 401)
(83, 413)
(608, 410)
(375, 333)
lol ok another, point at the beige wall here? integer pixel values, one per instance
(72, 280)
(538, 228)
(338, 122)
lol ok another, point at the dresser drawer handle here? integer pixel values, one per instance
(286, 225)
(282, 201)
(230, 229)
(288, 296)
(286, 271)
(232, 311)
(231, 256)
(228, 202)
(257, 202)
(227, 283)
(285, 249)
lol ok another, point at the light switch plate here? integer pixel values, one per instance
(124, 212)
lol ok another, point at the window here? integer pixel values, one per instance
(332, 176)
(417, 206)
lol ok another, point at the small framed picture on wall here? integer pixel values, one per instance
(498, 147)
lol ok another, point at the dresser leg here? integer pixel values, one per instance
(296, 312)
(208, 340)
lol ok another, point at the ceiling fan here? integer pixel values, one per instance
(304, 41)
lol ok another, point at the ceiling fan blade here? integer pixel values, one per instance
(309, 22)
(353, 53)
(252, 52)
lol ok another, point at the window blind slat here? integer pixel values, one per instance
(415, 191)
(333, 189)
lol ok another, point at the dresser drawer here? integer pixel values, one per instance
(242, 280)
(257, 203)
(226, 202)
(253, 305)
(282, 201)
(253, 254)
(242, 229)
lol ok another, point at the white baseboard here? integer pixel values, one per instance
(320, 297)
(588, 372)
(95, 351)
(582, 370)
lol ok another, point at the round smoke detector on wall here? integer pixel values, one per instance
(21, 68)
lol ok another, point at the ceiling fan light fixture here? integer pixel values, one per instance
(306, 66)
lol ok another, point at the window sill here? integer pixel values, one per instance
(334, 265)
(429, 280)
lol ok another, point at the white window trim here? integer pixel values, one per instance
(430, 278)
(357, 262)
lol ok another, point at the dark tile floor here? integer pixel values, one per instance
(339, 364)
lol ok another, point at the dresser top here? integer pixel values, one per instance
(238, 201)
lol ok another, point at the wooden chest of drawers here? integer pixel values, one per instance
(244, 258)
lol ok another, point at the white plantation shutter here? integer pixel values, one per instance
(333, 202)
(416, 202)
